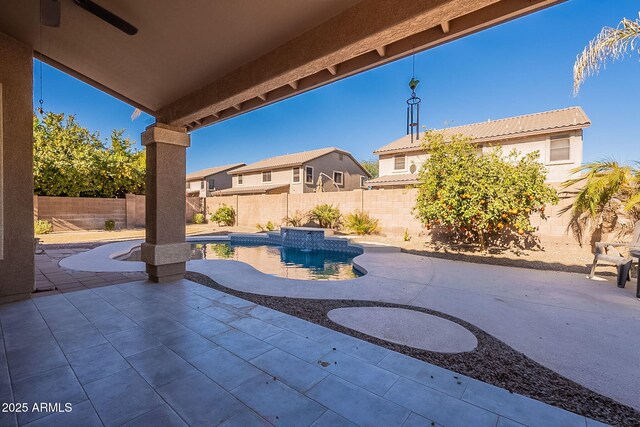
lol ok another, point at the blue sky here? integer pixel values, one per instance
(524, 66)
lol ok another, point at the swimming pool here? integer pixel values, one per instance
(291, 263)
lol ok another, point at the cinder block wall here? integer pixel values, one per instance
(81, 213)
(393, 208)
(87, 213)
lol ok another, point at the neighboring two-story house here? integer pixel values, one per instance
(325, 169)
(204, 182)
(556, 135)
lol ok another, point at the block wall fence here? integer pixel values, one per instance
(393, 208)
(87, 213)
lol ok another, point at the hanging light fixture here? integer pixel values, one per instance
(413, 107)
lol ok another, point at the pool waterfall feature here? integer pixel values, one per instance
(304, 238)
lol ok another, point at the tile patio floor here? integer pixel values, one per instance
(181, 353)
(51, 277)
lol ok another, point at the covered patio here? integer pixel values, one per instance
(194, 66)
(168, 351)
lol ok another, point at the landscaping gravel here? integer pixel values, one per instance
(492, 361)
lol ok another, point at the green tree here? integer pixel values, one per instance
(611, 43)
(69, 160)
(480, 198)
(602, 191)
(371, 166)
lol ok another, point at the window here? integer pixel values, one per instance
(240, 179)
(202, 185)
(308, 174)
(266, 176)
(338, 178)
(362, 180)
(559, 149)
(212, 184)
(340, 156)
(399, 163)
(296, 174)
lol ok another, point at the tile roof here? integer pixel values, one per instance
(399, 179)
(201, 174)
(289, 160)
(255, 189)
(495, 130)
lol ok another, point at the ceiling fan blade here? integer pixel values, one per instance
(107, 16)
(50, 13)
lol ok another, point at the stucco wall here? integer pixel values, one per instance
(386, 163)
(222, 180)
(557, 171)
(17, 259)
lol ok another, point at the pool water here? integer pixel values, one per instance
(292, 263)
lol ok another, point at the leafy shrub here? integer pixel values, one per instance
(406, 236)
(42, 227)
(225, 215)
(269, 226)
(297, 219)
(480, 198)
(198, 218)
(109, 225)
(361, 223)
(326, 215)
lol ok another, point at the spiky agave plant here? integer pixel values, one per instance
(611, 43)
(601, 182)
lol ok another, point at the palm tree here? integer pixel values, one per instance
(606, 186)
(611, 43)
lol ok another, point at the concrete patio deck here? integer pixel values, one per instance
(181, 353)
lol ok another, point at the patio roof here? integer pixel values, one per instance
(194, 66)
(392, 180)
(256, 189)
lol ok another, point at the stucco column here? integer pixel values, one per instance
(165, 251)
(17, 277)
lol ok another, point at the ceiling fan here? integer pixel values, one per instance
(50, 15)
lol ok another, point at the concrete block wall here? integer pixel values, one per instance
(392, 207)
(135, 208)
(259, 209)
(87, 213)
(394, 210)
(80, 213)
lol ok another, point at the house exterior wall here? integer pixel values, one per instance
(556, 171)
(329, 163)
(252, 179)
(326, 164)
(386, 163)
(17, 269)
(222, 180)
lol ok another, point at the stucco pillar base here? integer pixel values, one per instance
(165, 251)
